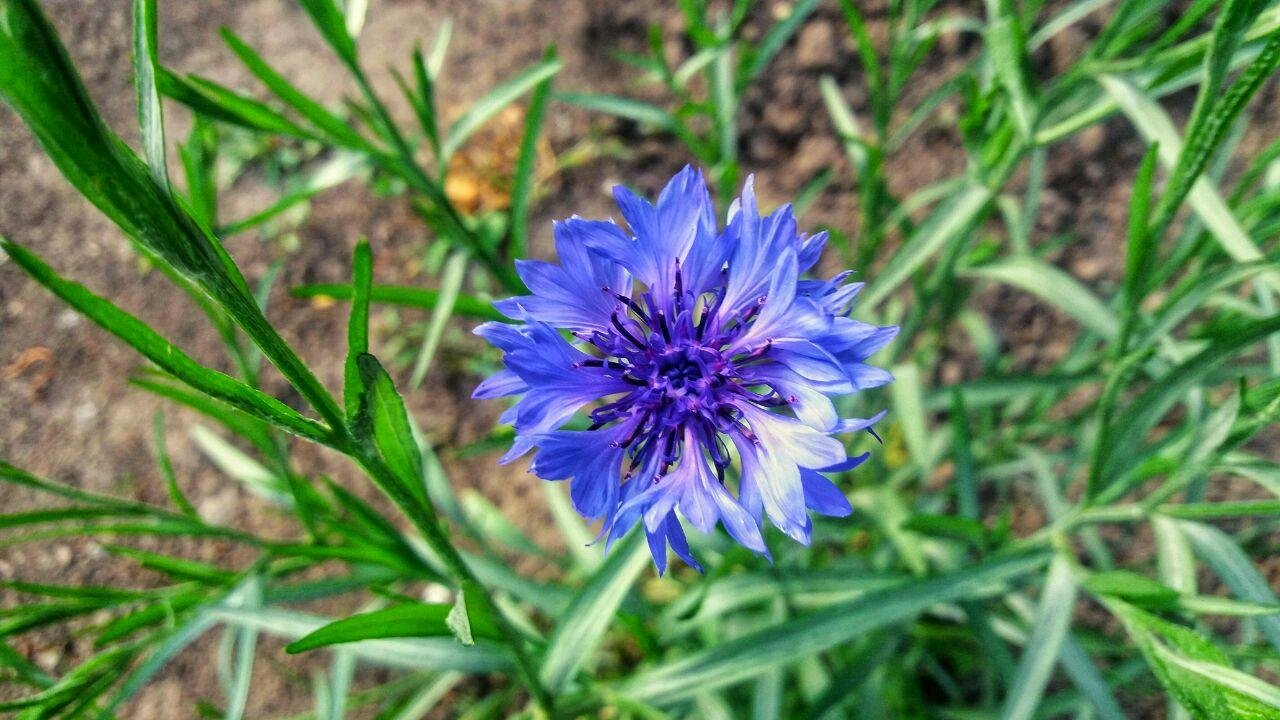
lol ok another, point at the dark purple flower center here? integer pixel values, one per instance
(678, 359)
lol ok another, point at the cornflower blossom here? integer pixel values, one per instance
(692, 351)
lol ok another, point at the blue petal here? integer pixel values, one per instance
(500, 384)
(576, 294)
(822, 496)
(665, 235)
(590, 460)
(675, 536)
(810, 248)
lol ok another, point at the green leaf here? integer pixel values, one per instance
(314, 112)
(405, 296)
(946, 224)
(246, 642)
(908, 409)
(338, 169)
(1122, 450)
(967, 503)
(773, 41)
(1048, 630)
(178, 568)
(470, 616)
(1154, 124)
(451, 279)
(219, 103)
(1053, 286)
(526, 165)
(382, 418)
(491, 525)
(634, 110)
(1007, 46)
(492, 103)
(150, 113)
(1215, 111)
(424, 101)
(166, 468)
(582, 625)
(442, 652)
(401, 621)
(357, 326)
(240, 467)
(332, 25)
(169, 358)
(749, 655)
(249, 427)
(1235, 568)
(1140, 244)
(1194, 671)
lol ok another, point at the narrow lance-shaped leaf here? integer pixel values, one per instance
(1040, 655)
(405, 296)
(382, 418)
(1235, 568)
(332, 25)
(150, 113)
(1054, 286)
(1215, 111)
(748, 655)
(157, 349)
(357, 326)
(526, 165)
(401, 621)
(314, 112)
(1194, 671)
(493, 102)
(451, 279)
(442, 653)
(634, 110)
(166, 468)
(219, 103)
(584, 622)
(1131, 426)
(1140, 245)
(946, 224)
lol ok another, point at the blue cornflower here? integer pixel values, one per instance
(692, 346)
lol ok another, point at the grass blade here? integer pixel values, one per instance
(436, 653)
(150, 113)
(357, 326)
(945, 225)
(583, 624)
(1130, 428)
(1235, 568)
(634, 110)
(405, 296)
(451, 279)
(526, 165)
(492, 103)
(1053, 286)
(1049, 629)
(401, 621)
(169, 358)
(749, 655)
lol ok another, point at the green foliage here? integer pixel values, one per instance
(957, 588)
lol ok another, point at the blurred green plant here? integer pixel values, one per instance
(953, 592)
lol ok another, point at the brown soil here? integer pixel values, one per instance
(71, 415)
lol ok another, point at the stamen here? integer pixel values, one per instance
(617, 323)
(634, 308)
